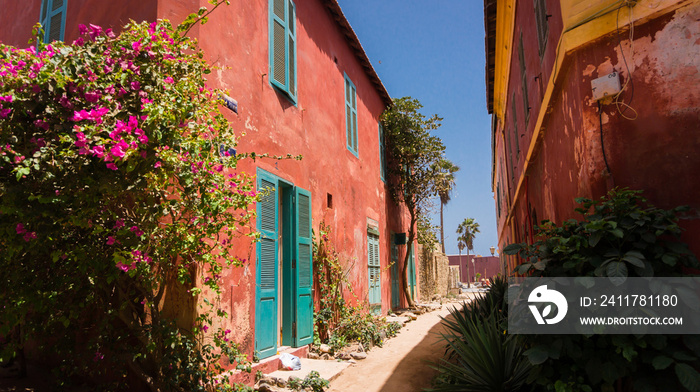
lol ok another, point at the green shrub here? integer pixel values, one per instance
(620, 235)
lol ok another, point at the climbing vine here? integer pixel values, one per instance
(336, 322)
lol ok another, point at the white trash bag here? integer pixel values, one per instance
(290, 362)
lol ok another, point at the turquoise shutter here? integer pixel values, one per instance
(283, 46)
(53, 19)
(266, 269)
(304, 297)
(412, 273)
(374, 272)
(350, 115)
(395, 293)
(382, 162)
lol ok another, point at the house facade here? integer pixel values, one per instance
(303, 86)
(560, 129)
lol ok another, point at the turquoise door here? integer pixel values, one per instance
(304, 304)
(374, 273)
(412, 274)
(266, 276)
(395, 293)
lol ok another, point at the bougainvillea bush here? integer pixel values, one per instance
(113, 199)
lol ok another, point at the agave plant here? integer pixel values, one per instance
(480, 355)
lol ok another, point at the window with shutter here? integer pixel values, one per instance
(350, 115)
(382, 152)
(283, 47)
(53, 19)
(374, 272)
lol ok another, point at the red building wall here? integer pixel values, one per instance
(653, 152)
(235, 41)
(487, 266)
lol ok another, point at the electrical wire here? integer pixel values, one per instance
(602, 141)
(616, 99)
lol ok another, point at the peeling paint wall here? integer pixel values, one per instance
(654, 149)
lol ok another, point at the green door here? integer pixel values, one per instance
(395, 293)
(304, 304)
(412, 274)
(266, 269)
(374, 272)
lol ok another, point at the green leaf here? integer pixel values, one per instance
(689, 377)
(617, 271)
(513, 249)
(595, 238)
(537, 355)
(635, 258)
(617, 233)
(661, 362)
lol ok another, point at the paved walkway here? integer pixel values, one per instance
(403, 363)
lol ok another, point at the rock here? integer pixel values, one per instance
(265, 379)
(352, 361)
(358, 356)
(326, 357)
(343, 356)
(280, 382)
(313, 356)
(325, 348)
(382, 335)
(262, 387)
(410, 315)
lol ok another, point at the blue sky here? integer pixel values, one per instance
(434, 51)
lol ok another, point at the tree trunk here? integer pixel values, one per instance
(469, 279)
(442, 229)
(404, 270)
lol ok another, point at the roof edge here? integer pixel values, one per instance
(356, 46)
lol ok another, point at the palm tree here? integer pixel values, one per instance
(460, 246)
(467, 231)
(444, 185)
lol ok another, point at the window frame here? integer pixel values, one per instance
(290, 86)
(382, 153)
(351, 134)
(46, 14)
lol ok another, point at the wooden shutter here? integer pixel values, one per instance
(351, 115)
(374, 271)
(382, 152)
(283, 46)
(53, 19)
(266, 274)
(523, 79)
(304, 299)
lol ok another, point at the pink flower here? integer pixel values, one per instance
(5, 112)
(143, 139)
(81, 140)
(205, 328)
(92, 96)
(124, 267)
(95, 31)
(111, 240)
(119, 224)
(110, 33)
(136, 46)
(98, 151)
(79, 42)
(169, 80)
(6, 98)
(119, 149)
(20, 229)
(82, 29)
(135, 85)
(137, 231)
(98, 356)
(157, 165)
(19, 158)
(112, 166)
(29, 236)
